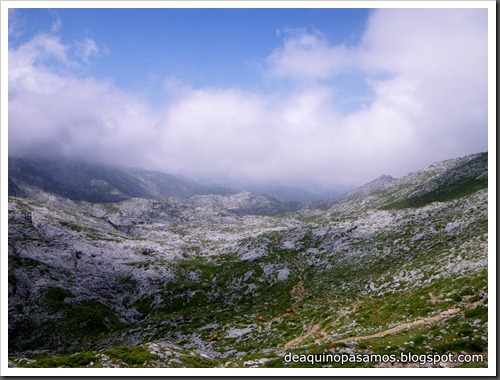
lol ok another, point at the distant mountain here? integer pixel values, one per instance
(369, 188)
(448, 180)
(440, 182)
(91, 182)
(286, 193)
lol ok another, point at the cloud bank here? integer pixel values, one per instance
(426, 71)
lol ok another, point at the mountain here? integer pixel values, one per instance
(369, 188)
(236, 280)
(286, 193)
(96, 182)
(442, 181)
(85, 181)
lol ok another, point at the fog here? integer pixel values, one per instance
(425, 72)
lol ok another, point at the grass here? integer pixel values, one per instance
(71, 225)
(54, 298)
(79, 360)
(444, 193)
(133, 356)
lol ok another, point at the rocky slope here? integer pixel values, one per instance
(240, 280)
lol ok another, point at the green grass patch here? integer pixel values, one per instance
(444, 193)
(479, 311)
(71, 225)
(133, 356)
(79, 360)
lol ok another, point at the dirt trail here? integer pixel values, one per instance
(404, 326)
(299, 339)
(423, 321)
(299, 291)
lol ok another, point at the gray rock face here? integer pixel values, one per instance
(371, 187)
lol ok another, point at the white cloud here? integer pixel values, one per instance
(16, 22)
(61, 113)
(86, 49)
(56, 25)
(427, 69)
(308, 56)
(443, 52)
(37, 51)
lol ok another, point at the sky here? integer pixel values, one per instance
(313, 97)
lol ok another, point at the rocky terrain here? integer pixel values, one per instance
(241, 280)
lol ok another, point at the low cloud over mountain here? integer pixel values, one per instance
(411, 91)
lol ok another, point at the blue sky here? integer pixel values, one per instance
(204, 47)
(330, 97)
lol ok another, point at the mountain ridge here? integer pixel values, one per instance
(92, 182)
(97, 182)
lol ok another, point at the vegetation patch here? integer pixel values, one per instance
(444, 193)
(78, 360)
(135, 356)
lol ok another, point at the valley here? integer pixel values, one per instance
(135, 277)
